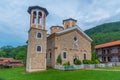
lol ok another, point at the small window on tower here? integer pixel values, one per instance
(39, 35)
(38, 48)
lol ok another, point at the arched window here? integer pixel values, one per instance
(75, 43)
(39, 49)
(50, 55)
(75, 58)
(64, 55)
(39, 35)
(85, 56)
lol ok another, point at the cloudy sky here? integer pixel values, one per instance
(14, 19)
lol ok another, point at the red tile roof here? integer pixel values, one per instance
(15, 61)
(5, 60)
(109, 44)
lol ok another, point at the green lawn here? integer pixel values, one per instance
(51, 74)
(113, 68)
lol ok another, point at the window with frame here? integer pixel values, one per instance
(75, 38)
(85, 56)
(39, 35)
(39, 49)
(64, 55)
(75, 44)
(50, 55)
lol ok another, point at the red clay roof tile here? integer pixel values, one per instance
(109, 44)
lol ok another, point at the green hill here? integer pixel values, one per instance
(104, 33)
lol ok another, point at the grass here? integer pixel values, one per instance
(113, 68)
(52, 74)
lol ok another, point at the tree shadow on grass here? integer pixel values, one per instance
(2, 79)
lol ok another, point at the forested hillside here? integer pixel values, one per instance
(100, 34)
(14, 52)
(104, 33)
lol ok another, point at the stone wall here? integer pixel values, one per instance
(57, 44)
(36, 61)
(64, 42)
(50, 49)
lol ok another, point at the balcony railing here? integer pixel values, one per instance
(109, 54)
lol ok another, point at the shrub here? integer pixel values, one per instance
(91, 62)
(77, 62)
(59, 60)
(85, 61)
(97, 61)
(66, 64)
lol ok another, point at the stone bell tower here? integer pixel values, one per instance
(37, 37)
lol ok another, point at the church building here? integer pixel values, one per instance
(68, 41)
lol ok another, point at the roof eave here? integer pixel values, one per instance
(72, 28)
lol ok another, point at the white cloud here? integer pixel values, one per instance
(14, 19)
(97, 15)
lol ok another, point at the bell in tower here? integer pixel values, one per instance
(37, 17)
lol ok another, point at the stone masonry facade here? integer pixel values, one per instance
(36, 60)
(68, 41)
(57, 44)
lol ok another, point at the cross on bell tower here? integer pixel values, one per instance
(37, 17)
